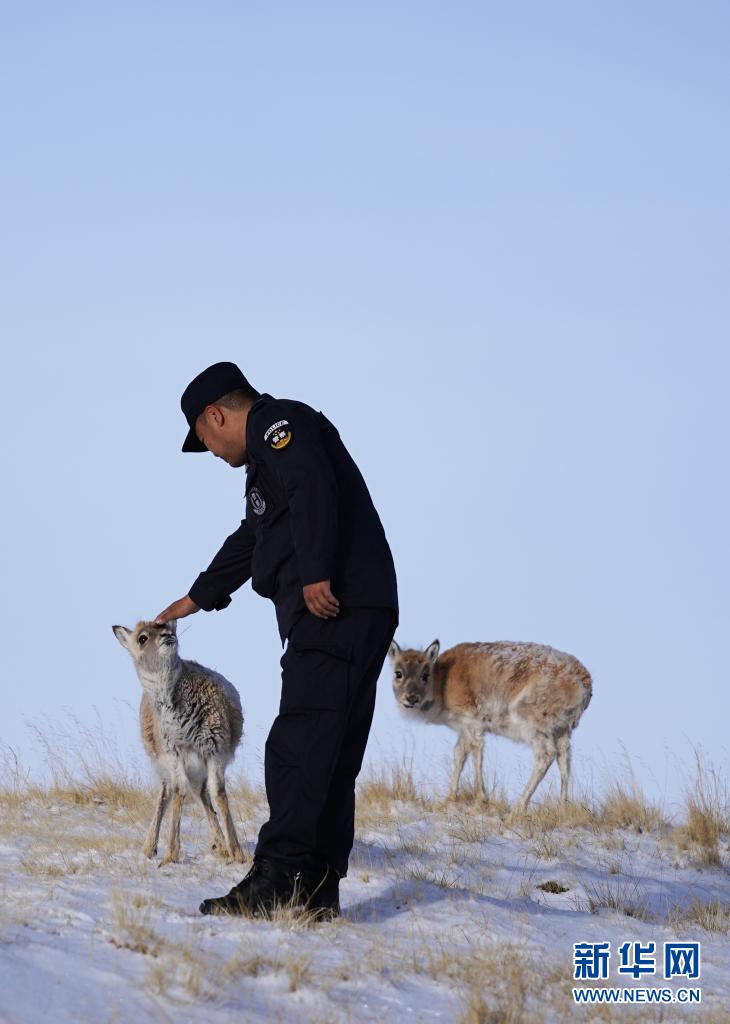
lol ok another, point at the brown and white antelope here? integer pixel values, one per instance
(191, 723)
(528, 692)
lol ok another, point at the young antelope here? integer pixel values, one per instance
(191, 723)
(528, 692)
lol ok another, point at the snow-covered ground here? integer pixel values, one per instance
(444, 918)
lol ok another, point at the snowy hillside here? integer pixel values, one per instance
(449, 913)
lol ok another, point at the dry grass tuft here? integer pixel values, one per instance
(132, 929)
(712, 917)
(702, 830)
(497, 984)
(57, 863)
(624, 896)
(247, 798)
(15, 781)
(470, 828)
(707, 814)
(626, 806)
(548, 848)
(250, 963)
(393, 781)
(554, 814)
(421, 873)
(182, 965)
(496, 803)
(380, 790)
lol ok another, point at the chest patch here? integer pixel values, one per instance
(278, 435)
(258, 501)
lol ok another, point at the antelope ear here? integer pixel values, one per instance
(393, 650)
(122, 634)
(432, 651)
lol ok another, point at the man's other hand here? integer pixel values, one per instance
(177, 610)
(320, 600)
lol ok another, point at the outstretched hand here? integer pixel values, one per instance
(320, 600)
(177, 610)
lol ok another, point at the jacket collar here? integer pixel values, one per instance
(260, 401)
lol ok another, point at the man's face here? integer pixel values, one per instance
(223, 432)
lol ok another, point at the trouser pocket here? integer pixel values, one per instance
(315, 676)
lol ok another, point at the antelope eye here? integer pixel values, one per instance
(424, 675)
(142, 640)
(398, 674)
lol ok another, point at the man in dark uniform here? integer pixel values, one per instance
(311, 541)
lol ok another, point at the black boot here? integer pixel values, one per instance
(320, 892)
(267, 885)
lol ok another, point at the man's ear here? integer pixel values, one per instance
(214, 414)
(432, 651)
(122, 634)
(393, 650)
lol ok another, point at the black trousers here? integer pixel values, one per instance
(315, 748)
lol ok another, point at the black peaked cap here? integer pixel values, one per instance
(214, 382)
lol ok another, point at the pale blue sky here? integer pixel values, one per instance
(490, 241)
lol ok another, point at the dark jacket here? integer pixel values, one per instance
(309, 517)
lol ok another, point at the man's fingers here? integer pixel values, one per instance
(320, 600)
(321, 608)
(326, 609)
(326, 604)
(173, 611)
(329, 601)
(177, 610)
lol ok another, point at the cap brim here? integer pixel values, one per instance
(192, 444)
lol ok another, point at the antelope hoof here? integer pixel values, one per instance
(149, 851)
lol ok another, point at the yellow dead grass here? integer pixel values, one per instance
(707, 815)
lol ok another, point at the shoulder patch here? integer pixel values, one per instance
(278, 435)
